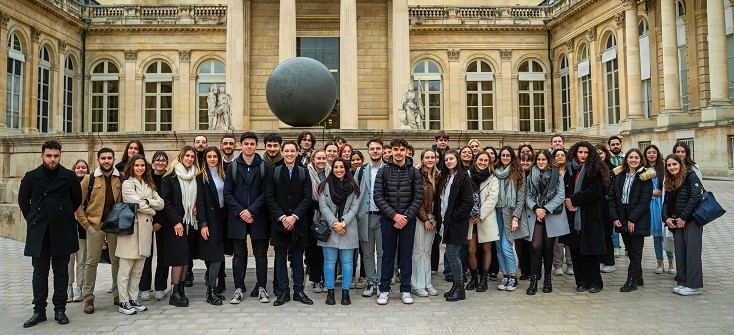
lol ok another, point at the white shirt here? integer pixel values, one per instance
(219, 184)
(373, 173)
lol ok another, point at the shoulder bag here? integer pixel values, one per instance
(121, 219)
(708, 210)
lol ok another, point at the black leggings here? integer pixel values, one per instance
(541, 250)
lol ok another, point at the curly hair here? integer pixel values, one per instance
(674, 181)
(516, 172)
(594, 164)
(129, 170)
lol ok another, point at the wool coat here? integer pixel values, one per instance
(455, 222)
(328, 210)
(555, 224)
(590, 240)
(247, 192)
(48, 207)
(177, 247)
(517, 210)
(289, 196)
(637, 209)
(487, 230)
(209, 214)
(138, 245)
(365, 186)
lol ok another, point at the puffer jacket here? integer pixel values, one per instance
(429, 191)
(638, 204)
(399, 189)
(681, 202)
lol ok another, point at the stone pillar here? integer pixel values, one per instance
(399, 59)
(454, 99)
(506, 83)
(671, 82)
(235, 67)
(348, 94)
(632, 55)
(129, 94)
(287, 31)
(182, 86)
(4, 19)
(719, 106)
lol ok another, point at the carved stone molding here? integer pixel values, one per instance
(184, 55)
(35, 34)
(62, 46)
(569, 45)
(131, 55)
(649, 4)
(506, 54)
(619, 19)
(453, 54)
(4, 19)
(629, 4)
(591, 34)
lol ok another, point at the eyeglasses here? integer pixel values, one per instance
(161, 161)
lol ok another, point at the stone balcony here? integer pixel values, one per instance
(151, 15)
(489, 15)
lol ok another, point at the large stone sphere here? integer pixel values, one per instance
(301, 92)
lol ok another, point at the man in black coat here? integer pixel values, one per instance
(48, 197)
(288, 195)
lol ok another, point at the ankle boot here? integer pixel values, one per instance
(472, 284)
(458, 294)
(630, 285)
(482, 285)
(182, 293)
(176, 299)
(547, 285)
(640, 282)
(345, 298)
(330, 297)
(211, 295)
(533, 286)
(452, 290)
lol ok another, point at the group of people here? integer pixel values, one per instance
(387, 216)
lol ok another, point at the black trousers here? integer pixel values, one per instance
(634, 245)
(315, 261)
(41, 267)
(239, 262)
(522, 247)
(281, 260)
(435, 252)
(391, 236)
(586, 269)
(161, 271)
(260, 251)
(608, 258)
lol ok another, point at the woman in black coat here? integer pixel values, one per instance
(452, 209)
(589, 177)
(629, 209)
(682, 196)
(211, 213)
(178, 190)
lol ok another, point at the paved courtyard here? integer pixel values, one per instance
(652, 309)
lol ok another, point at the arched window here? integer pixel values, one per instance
(680, 23)
(531, 96)
(479, 96)
(209, 78)
(584, 75)
(611, 80)
(68, 95)
(565, 94)
(105, 96)
(646, 86)
(158, 97)
(14, 83)
(427, 81)
(44, 90)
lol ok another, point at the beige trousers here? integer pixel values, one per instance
(128, 278)
(78, 259)
(95, 241)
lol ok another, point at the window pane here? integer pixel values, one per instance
(472, 113)
(472, 67)
(485, 67)
(471, 85)
(487, 85)
(432, 67)
(472, 125)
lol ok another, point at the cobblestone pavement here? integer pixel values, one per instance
(652, 309)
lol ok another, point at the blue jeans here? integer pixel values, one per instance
(615, 239)
(347, 262)
(505, 250)
(658, 243)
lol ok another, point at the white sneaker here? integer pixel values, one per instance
(432, 291)
(369, 290)
(569, 271)
(126, 309)
(558, 271)
(511, 284)
(382, 298)
(686, 291)
(407, 299)
(671, 270)
(78, 296)
(69, 294)
(236, 297)
(420, 292)
(159, 295)
(145, 295)
(503, 283)
(676, 289)
(659, 269)
(263, 295)
(608, 268)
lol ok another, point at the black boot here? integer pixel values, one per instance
(472, 284)
(211, 295)
(345, 298)
(189, 280)
(183, 293)
(630, 285)
(482, 285)
(330, 300)
(640, 282)
(533, 286)
(176, 299)
(452, 290)
(547, 285)
(458, 294)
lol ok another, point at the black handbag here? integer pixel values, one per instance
(708, 210)
(320, 230)
(121, 219)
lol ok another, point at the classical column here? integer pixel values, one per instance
(717, 52)
(632, 55)
(131, 95)
(235, 68)
(30, 114)
(399, 58)
(287, 30)
(182, 87)
(348, 94)
(454, 116)
(4, 19)
(671, 80)
(504, 85)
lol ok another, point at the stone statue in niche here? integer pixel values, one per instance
(411, 111)
(219, 108)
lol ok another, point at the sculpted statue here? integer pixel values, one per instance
(221, 116)
(211, 103)
(411, 109)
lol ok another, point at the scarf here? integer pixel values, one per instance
(340, 190)
(508, 194)
(478, 176)
(188, 194)
(575, 167)
(543, 185)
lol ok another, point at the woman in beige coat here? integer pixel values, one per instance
(133, 249)
(484, 228)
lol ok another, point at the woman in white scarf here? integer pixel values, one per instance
(178, 190)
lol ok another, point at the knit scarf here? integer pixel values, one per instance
(340, 190)
(188, 193)
(543, 185)
(575, 167)
(508, 193)
(478, 176)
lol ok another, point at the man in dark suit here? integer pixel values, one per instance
(288, 196)
(48, 197)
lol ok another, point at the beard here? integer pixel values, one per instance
(106, 170)
(616, 151)
(51, 167)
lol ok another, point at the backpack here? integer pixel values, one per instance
(89, 191)
(233, 169)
